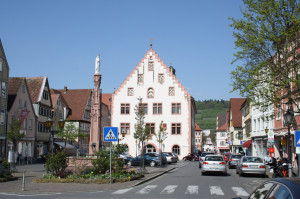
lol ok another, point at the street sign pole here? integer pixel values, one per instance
(110, 164)
(297, 145)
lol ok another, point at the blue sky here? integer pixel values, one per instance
(61, 39)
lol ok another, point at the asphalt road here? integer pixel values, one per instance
(183, 182)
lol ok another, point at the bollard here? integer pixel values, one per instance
(23, 183)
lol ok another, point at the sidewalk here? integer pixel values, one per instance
(269, 174)
(37, 170)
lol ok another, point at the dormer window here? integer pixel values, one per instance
(45, 95)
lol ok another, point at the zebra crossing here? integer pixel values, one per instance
(190, 190)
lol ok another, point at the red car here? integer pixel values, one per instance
(227, 156)
(191, 157)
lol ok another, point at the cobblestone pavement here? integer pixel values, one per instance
(34, 171)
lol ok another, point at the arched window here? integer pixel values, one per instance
(176, 149)
(150, 93)
(150, 148)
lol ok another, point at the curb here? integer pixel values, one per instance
(153, 177)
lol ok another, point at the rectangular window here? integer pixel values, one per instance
(125, 127)
(222, 134)
(125, 109)
(222, 143)
(150, 66)
(161, 78)
(3, 89)
(140, 78)
(130, 92)
(45, 95)
(152, 127)
(30, 124)
(25, 105)
(2, 117)
(157, 108)
(176, 128)
(171, 91)
(176, 108)
(1, 64)
(20, 103)
(145, 107)
(25, 123)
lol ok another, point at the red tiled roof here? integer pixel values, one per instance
(197, 128)
(35, 85)
(14, 84)
(56, 92)
(106, 99)
(77, 99)
(235, 106)
(222, 128)
(221, 122)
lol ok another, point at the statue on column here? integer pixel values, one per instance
(97, 65)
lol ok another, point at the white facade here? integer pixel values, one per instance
(261, 120)
(165, 100)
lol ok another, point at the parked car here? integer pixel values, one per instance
(201, 158)
(214, 164)
(277, 188)
(251, 165)
(233, 160)
(125, 157)
(152, 159)
(170, 157)
(191, 157)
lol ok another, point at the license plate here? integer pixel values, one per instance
(252, 166)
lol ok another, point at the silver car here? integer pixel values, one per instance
(251, 165)
(233, 160)
(170, 157)
(214, 164)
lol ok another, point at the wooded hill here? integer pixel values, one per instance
(207, 111)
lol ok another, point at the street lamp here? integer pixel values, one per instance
(48, 125)
(266, 131)
(288, 119)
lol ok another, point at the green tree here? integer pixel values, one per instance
(142, 132)
(13, 134)
(70, 132)
(267, 39)
(161, 136)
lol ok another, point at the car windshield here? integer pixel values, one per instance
(252, 159)
(236, 156)
(213, 158)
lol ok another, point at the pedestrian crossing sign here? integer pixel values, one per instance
(297, 138)
(110, 134)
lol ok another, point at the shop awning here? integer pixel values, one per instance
(247, 144)
(62, 144)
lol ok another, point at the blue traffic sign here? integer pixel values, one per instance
(297, 138)
(110, 134)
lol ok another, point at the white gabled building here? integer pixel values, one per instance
(164, 99)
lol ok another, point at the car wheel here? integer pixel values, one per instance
(199, 166)
(129, 163)
(240, 174)
(229, 167)
(152, 163)
(184, 159)
(202, 173)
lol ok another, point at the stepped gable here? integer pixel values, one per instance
(235, 106)
(77, 100)
(155, 56)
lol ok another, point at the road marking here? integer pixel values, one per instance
(38, 194)
(121, 191)
(192, 189)
(216, 190)
(169, 189)
(147, 189)
(240, 191)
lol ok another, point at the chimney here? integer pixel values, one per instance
(65, 89)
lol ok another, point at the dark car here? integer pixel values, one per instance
(233, 160)
(151, 159)
(288, 188)
(191, 157)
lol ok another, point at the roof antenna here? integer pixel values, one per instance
(152, 39)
